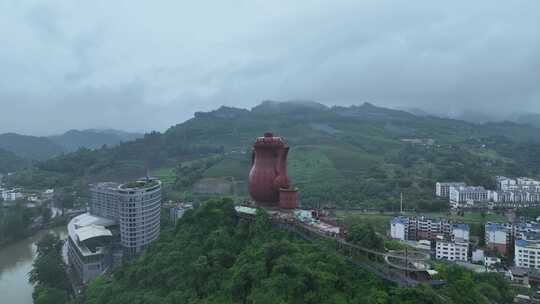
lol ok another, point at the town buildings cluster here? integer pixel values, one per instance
(509, 193)
(123, 219)
(450, 240)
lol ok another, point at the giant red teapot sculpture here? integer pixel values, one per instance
(268, 180)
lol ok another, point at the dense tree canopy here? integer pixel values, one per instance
(214, 257)
(48, 272)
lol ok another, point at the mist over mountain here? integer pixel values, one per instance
(376, 150)
(30, 147)
(521, 117)
(92, 138)
(45, 147)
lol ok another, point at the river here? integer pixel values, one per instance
(15, 263)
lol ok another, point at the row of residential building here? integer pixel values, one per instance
(426, 228)
(451, 240)
(519, 192)
(10, 195)
(524, 237)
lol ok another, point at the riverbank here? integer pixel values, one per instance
(16, 261)
(58, 221)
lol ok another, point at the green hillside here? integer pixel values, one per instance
(30, 147)
(10, 162)
(214, 257)
(73, 140)
(361, 156)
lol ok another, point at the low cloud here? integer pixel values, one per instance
(141, 65)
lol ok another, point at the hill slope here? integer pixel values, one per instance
(356, 156)
(30, 147)
(214, 257)
(73, 140)
(9, 162)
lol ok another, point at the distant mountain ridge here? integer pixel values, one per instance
(30, 147)
(46, 147)
(363, 154)
(92, 138)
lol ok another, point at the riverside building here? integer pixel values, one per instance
(123, 219)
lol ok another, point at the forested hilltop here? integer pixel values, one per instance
(360, 156)
(212, 256)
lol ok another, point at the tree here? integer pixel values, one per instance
(365, 236)
(48, 272)
(47, 295)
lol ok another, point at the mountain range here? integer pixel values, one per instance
(39, 148)
(358, 155)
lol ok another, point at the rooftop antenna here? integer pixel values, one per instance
(147, 171)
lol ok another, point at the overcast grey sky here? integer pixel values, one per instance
(143, 65)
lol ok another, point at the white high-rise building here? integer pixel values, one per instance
(123, 220)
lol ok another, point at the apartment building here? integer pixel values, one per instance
(443, 189)
(518, 184)
(461, 232)
(456, 250)
(498, 236)
(468, 195)
(399, 228)
(425, 228)
(527, 253)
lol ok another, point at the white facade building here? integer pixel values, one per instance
(498, 236)
(132, 209)
(425, 228)
(519, 192)
(527, 254)
(399, 227)
(478, 256)
(520, 183)
(89, 244)
(460, 231)
(490, 261)
(11, 195)
(457, 250)
(467, 196)
(443, 189)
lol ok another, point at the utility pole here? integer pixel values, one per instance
(406, 262)
(401, 204)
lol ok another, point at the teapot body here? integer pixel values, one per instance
(268, 172)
